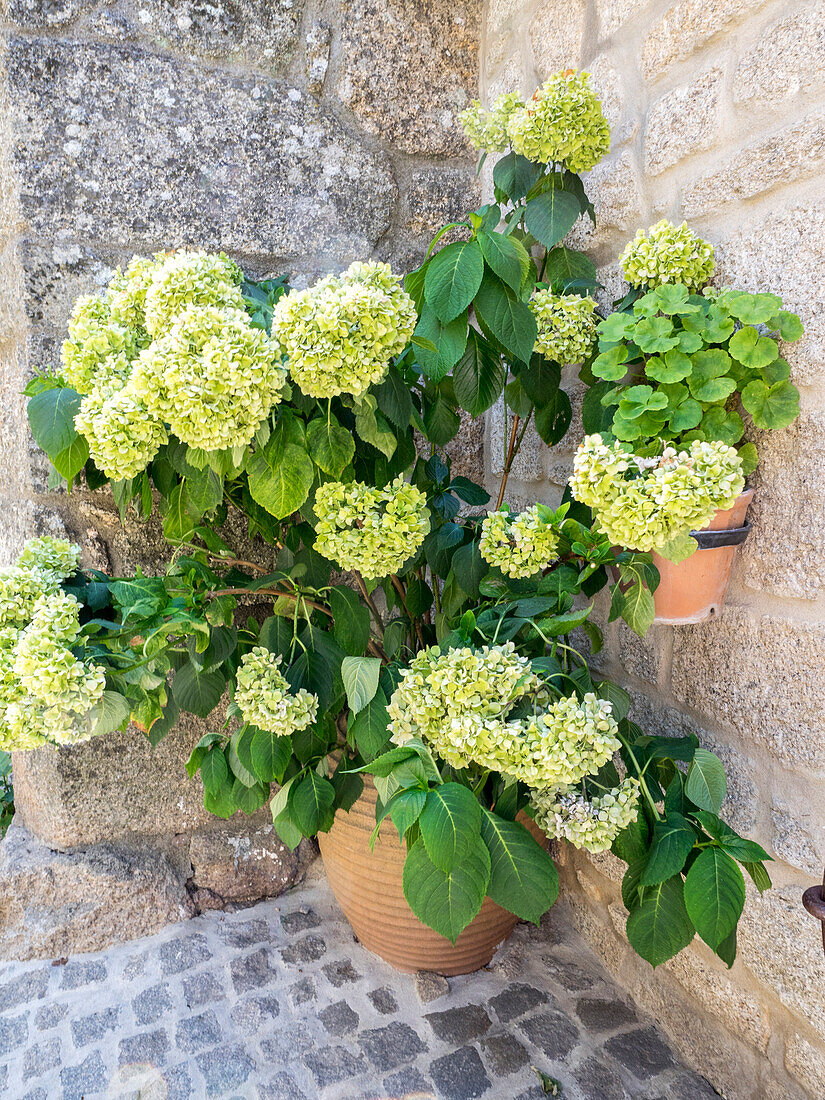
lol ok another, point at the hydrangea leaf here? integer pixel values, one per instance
(714, 895)
(679, 548)
(478, 375)
(523, 877)
(551, 216)
(673, 840)
(311, 804)
(706, 784)
(280, 482)
(506, 316)
(449, 340)
(360, 676)
(450, 824)
(446, 901)
(269, 755)
(331, 446)
(453, 278)
(504, 257)
(660, 927)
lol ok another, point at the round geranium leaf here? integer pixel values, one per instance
(674, 298)
(753, 350)
(617, 326)
(626, 430)
(687, 415)
(718, 423)
(788, 324)
(715, 389)
(771, 406)
(611, 364)
(655, 334)
(777, 371)
(710, 363)
(673, 367)
(751, 309)
(688, 342)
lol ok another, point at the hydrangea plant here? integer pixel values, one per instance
(442, 663)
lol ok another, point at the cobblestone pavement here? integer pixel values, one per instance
(278, 1002)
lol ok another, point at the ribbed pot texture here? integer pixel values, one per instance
(367, 886)
(695, 589)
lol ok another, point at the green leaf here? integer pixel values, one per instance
(715, 389)
(51, 418)
(111, 713)
(248, 799)
(449, 340)
(789, 325)
(369, 726)
(523, 877)
(515, 175)
(611, 364)
(679, 548)
(214, 770)
(479, 375)
(714, 895)
(351, 620)
(441, 421)
(394, 401)
(331, 446)
(673, 840)
(719, 423)
(373, 427)
(71, 461)
(687, 415)
(751, 349)
(450, 824)
(178, 520)
(204, 488)
(504, 255)
(655, 334)
(638, 608)
(405, 808)
(311, 804)
(280, 478)
(706, 784)
(660, 927)
(470, 567)
(761, 878)
(771, 406)
(506, 316)
(453, 277)
(196, 691)
(672, 368)
(551, 216)
(269, 755)
(360, 676)
(239, 755)
(446, 901)
(567, 268)
(750, 309)
(749, 457)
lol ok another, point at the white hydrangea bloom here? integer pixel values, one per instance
(592, 824)
(57, 558)
(20, 589)
(265, 698)
(681, 493)
(566, 325)
(562, 124)
(122, 434)
(518, 545)
(127, 290)
(99, 350)
(668, 254)
(371, 530)
(487, 130)
(186, 279)
(212, 378)
(340, 334)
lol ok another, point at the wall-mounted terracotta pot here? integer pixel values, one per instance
(367, 886)
(695, 589)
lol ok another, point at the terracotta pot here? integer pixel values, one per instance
(367, 886)
(695, 589)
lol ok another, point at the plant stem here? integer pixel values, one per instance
(275, 593)
(508, 461)
(368, 600)
(640, 777)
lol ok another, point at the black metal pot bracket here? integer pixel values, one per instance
(814, 901)
(713, 540)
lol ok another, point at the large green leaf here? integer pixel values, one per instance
(771, 406)
(394, 400)
(311, 804)
(269, 755)
(551, 216)
(470, 567)
(196, 691)
(239, 755)
(453, 277)
(441, 421)
(515, 175)
(360, 676)
(446, 901)
(714, 895)
(479, 375)
(566, 268)
(351, 620)
(369, 726)
(373, 426)
(331, 446)
(180, 517)
(506, 316)
(673, 839)
(660, 927)
(706, 784)
(71, 461)
(111, 713)
(405, 808)
(51, 418)
(523, 877)
(214, 770)
(751, 349)
(504, 255)
(280, 477)
(204, 488)
(448, 338)
(450, 824)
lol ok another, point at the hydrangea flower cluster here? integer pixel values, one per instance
(520, 546)
(340, 334)
(371, 530)
(190, 279)
(100, 348)
(45, 691)
(566, 325)
(562, 124)
(122, 434)
(487, 130)
(592, 824)
(682, 492)
(212, 377)
(265, 699)
(127, 290)
(667, 253)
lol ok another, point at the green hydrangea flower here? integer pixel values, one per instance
(679, 492)
(187, 279)
(371, 530)
(57, 558)
(127, 289)
(592, 824)
(566, 325)
(668, 254)
(122, 434)
(562, 124)
(340, 334)
(100, 350)
(212, 378)
(487, 130)
(265, 698)
(20, 589)
(518, 545)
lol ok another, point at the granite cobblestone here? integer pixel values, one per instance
(278, 1002)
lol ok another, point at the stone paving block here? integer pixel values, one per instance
(600, 1016)
(383, 1001)
(503, 1054)
(303, 951)
(183, 953)
(151, 1004)
(26, 987)
(334, 1064)
(405, 1082)
(202, 988)
(14, 1031)
(429, 986)
(77, 974)
(338, 1019)
(459, 1025)
(198, 1032)
(84, 1080)
(341, 973)
(515, 1000)
(50, 1016)
(644, 1051)
(149, 1046)
(460, 1075)
(91, 1029)
(252, 971)
(280, 1087)
(391, 1046)
(41, 1058)
(224, 1069)
(244, 935)
(599, 1081)
(299, 920)
(253, 1014)
(553, 1032)
(302, 992)
(569, 975)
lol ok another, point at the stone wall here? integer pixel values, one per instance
(296, 135)
(717, 114)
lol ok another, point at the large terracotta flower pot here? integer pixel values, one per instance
(367, 886)
(695, 589)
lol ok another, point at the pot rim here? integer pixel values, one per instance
(729, 536)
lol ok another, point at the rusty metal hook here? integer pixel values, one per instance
(814, 901)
